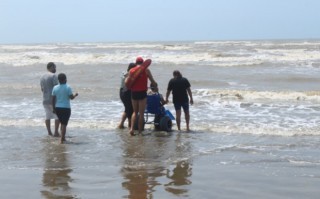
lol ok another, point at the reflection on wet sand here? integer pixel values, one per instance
(146, 162)
(135, 169)
(179, 177)
(56, 176)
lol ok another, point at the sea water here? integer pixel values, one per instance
(255, 113)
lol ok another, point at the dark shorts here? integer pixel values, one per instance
(63, 115)
(126, 100)
(138, 95)
(185, 106)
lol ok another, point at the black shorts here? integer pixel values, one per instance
(185, 106)
(138, 95)
(63, 115)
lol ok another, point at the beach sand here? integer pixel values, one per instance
(112, 164)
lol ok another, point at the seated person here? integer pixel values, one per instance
(155, 102)
(155, 91)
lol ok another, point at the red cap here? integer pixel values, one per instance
(139, 59)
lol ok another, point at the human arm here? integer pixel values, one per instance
(169, 89)
(41, 84)
(190, 95)
(72, 96)
(162, 101)
(54, 104)
(149, 74)
(167, 96)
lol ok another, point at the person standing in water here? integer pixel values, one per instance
(180, 88)
(61, 95)
(47, 82)
(139, 95)
(125, 96)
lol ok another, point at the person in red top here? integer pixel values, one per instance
(139, 95)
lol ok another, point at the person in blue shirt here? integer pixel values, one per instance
(61, 95)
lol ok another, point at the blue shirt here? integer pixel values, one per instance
(62, 93)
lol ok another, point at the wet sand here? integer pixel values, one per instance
(111, 164)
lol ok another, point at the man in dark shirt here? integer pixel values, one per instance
(180, 88)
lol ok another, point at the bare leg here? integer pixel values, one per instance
(133, 118)
(178, 118)
(56, 128)
(142, 107)
(187, 116)
(63, 133)
(48, 125)
(129, 122)
(135, 106)
(123, 119)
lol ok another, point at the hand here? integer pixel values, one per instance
(76, 94)
(191, 101)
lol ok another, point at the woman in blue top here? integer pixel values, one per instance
(61, 95)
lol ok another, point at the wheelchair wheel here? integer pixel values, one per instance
(166, 123)
(156, 122)
(136, 123)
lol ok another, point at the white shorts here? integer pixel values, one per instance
(49, 114)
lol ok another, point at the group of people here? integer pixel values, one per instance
(57, 95)
(56, 100)
(135, 98)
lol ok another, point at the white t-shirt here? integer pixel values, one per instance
(47, 82)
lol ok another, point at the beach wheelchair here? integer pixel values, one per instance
(156, 114)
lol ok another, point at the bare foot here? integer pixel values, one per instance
(131, 133)
(121, 126)
(56, 135)
(63, 141)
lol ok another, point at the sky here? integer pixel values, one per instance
(51, 21)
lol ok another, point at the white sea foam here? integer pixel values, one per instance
(249, 95)
(237, 111)
(212, 53)
(263, 96)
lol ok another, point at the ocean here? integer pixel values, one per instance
(254, 121)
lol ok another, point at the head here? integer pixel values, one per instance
(131, 65)
(177, 74)
(154, 88)
(51, 67)
(139, 60)
(62, 78)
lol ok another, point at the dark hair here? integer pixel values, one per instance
(62, 78)
(131, 65)
(177, 73)
(153, 86)
(50, 64)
